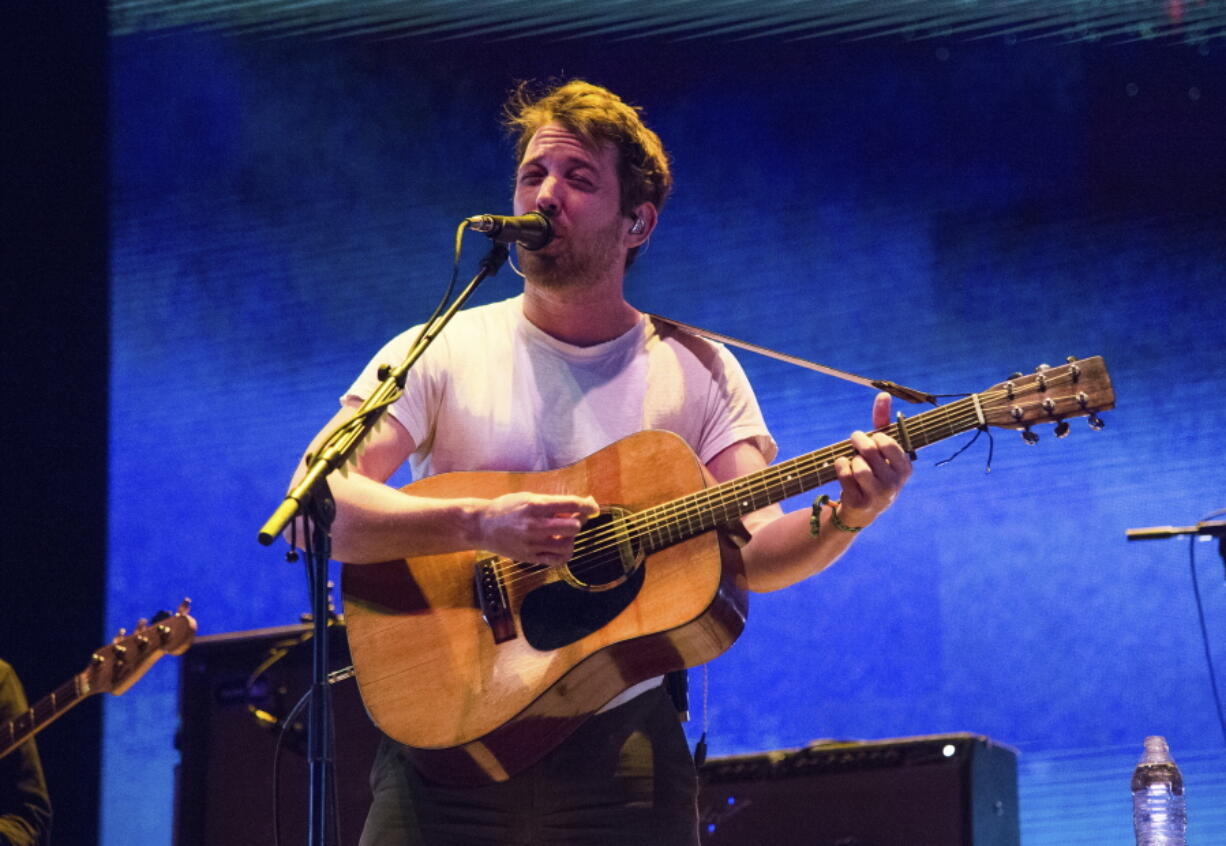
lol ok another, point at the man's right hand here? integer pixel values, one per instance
(538, 528)
(376, 522)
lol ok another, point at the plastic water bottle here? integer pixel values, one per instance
(1159, 815)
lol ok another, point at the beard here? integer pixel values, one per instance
(576, 263)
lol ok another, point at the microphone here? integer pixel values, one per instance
(532, 230)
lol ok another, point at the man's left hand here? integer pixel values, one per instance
(872, 478)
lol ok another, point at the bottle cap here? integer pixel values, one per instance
(1156, 751)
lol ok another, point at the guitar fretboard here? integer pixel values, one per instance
(680, 519)
(20, 729)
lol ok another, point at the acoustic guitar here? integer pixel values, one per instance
(482, 664)
(112, 669)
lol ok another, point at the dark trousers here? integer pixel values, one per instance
(625, 777)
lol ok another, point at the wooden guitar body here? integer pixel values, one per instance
(474, 710)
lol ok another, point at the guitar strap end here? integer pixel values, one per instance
(736, 532)
(904, 393)
(677, 684)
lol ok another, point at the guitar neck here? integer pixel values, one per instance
(673, 522)
(48, 709)
(112, 668)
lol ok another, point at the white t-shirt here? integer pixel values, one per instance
(494, 392)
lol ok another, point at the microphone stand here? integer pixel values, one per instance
(1209, 529)
(312, 500)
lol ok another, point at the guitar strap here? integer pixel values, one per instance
(891, 388)
(678, 683)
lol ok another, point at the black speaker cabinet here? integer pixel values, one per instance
(942, 790)
(224, 791)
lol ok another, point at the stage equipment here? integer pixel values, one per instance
(233, 698)
(939, 790)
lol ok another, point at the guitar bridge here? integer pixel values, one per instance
(492, 599)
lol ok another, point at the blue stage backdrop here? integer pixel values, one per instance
(936, 213)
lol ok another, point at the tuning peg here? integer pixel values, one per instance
(1017, 374)
(1062, 429)
(1030, 437)
(1042, 367)
(1073, 369)
(1096, 423)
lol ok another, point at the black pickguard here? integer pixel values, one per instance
(557, 614)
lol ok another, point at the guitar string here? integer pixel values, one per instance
(692, 507)
(635, 526)
(785, 472)
(705, 502)
(644, 523)
(701, 502)
(40, 714)
(953, 417)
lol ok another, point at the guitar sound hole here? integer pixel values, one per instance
(605, 551)
(557, 614)
(598, 569)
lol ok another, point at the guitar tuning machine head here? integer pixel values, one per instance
(1062, 429)
(1030, 437)
(1096, 423)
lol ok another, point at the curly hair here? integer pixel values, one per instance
(598, 116)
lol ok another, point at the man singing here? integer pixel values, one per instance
(539, 382)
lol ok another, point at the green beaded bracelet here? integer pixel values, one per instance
(815, 519)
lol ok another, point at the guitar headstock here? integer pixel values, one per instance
(117, 666)
(1079, 388)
